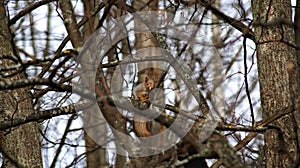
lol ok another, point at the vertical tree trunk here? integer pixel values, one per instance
(297, 42)
(143, 41)
(95, 154)
(278, 75)
(20, 146)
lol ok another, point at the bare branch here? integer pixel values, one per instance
(43, 115)
(71, 23)
(27, 10)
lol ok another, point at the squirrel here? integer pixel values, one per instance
(150, 78)
(142, 90)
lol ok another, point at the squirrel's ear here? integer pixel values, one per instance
(146, 79)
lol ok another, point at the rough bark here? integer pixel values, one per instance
(21, 145)
(278, 75)
(297, 42)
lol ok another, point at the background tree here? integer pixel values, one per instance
(40, 44)
(18, 145)
(278, 74)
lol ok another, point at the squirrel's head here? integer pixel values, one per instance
(149, 83)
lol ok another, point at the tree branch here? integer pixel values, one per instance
(47, 114)
(71, 23)
(27, 10)
(245, 30)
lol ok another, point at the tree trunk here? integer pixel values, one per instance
(297, 42)
(20, 146)
(278, 75)
(95, 154)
